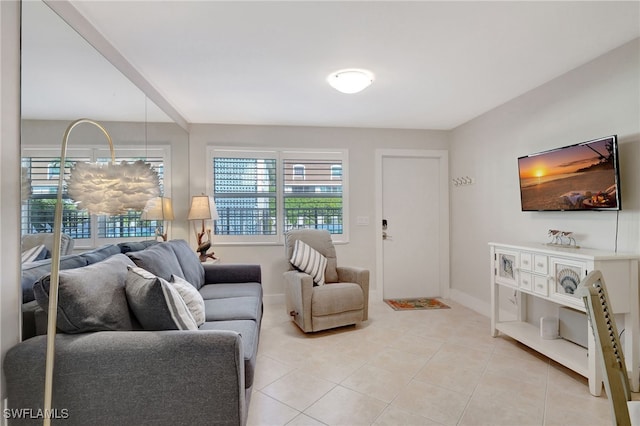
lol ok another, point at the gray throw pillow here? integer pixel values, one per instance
(159, 259)
(192, 268)
(157, 304)
(91, 298)
(34, 271)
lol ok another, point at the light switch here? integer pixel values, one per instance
(362, 220)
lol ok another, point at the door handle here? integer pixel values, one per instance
(385, 236)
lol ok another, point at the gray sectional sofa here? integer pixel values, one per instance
(116, 360)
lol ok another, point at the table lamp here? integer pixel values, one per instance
(159, 208)
(203, 208)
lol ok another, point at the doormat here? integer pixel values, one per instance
(418, 303)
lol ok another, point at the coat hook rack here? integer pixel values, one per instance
(463, 181)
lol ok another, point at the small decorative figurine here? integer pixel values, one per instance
(562, 238)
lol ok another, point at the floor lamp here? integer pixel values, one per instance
(159, 208)
(102, 189)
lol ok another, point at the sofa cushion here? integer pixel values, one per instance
(191, 297)
(100, 253)
(159, 259)
(233, 308)
(189, 262)
(226, 290)
(309, 260)
(250, 333)
(335, 298)
(91, 298)
(156, 304)
(136, 245)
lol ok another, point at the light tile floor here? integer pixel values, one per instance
(427, 367)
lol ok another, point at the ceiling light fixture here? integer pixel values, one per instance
(350, 80)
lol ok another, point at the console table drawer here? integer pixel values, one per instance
(526, 261)
(526, 281)
(541, 264)
(541, 285)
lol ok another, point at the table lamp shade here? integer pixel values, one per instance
(158, 208)
(202, 207)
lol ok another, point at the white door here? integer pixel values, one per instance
(414, 257)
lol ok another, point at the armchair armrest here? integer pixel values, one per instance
(138, 377)
(215, 273)
(360, 276)
(298, 291)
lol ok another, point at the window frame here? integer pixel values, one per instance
(99, 151)
(280, 155)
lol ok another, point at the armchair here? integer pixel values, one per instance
(342, 300)
(32, 240)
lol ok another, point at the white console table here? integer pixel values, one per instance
(552, 273)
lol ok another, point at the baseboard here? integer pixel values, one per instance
(278, 299)
(464, 299)
(470, 302)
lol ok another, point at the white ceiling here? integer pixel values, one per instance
(437, 64)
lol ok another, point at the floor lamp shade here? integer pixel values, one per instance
(112, 188)
(103, 189)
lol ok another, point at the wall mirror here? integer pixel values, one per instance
(63, 78)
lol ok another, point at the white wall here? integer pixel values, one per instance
(361, 144)
(597, 99)
(10, 297)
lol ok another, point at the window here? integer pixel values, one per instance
(298, 172)
(260, 195)
(316, 202)
(336, 172)
(41, 167)
(245, 195)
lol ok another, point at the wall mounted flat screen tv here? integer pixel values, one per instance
(584, 176)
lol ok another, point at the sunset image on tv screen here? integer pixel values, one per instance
(577, 177)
